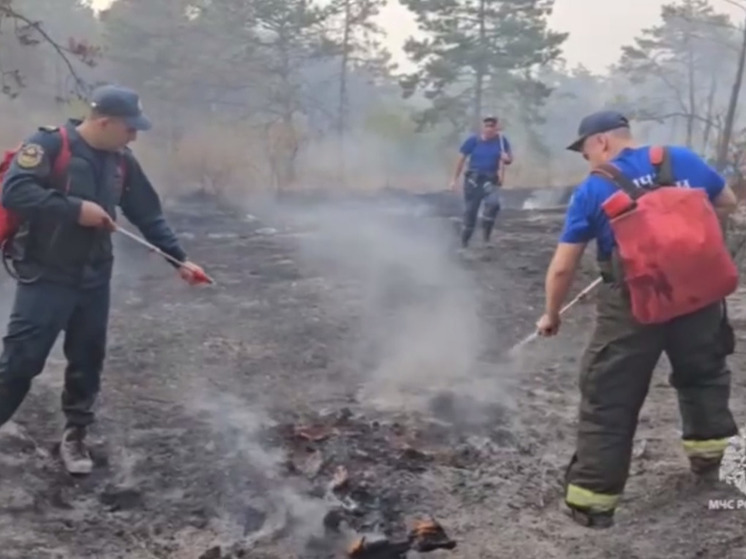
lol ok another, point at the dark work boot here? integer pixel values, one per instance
(706, 469)
(487, 227)
(74, 453)
(465, 237)
(589, 519)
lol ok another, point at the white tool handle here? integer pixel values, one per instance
(579, 297)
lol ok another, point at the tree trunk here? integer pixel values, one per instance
(692, 100)
(722, 158)
(673, 130)
(290, 151)
(710, 108)
(480, 70)
(343, 101)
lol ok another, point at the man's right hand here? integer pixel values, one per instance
(454, 185)
(93, 215)
(548, 325)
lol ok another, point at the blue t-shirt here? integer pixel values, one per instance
(484, 155)
(585, 219)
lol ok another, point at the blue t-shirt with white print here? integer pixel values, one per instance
(585, 219)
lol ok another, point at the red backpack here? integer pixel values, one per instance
(670, 244)
(9, 222)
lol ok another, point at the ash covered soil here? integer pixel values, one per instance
(346, 376)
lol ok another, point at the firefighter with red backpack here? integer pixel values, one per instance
(655, 214)
(60, 190)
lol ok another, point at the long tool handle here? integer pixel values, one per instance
(203, 276)
(502, 165)
(579, 297)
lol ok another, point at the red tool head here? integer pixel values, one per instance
(196, 275)
(201, 277)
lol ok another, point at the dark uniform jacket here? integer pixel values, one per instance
(50, 244)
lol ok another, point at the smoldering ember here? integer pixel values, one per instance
(362, 380)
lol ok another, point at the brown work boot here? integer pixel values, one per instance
(706, 469)
(588, 518)
(75, 455)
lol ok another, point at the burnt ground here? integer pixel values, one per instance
(348, 370)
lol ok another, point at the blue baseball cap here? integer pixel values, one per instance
(120, 102)
(598, 123)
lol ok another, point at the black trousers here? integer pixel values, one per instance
(615, 376)
(479, 189)
(40, 312)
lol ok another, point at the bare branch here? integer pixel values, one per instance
(80, 50)
(661, 118)
(736, 4)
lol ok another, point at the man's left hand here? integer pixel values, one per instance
(505, 158)
(192, 274)
(548, 325)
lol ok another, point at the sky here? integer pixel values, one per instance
(598, 28)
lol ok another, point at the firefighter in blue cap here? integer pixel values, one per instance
(618, 364)
(62, 253)
(487, 154)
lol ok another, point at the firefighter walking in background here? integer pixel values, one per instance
(63, 185)
(663, 290)
(487, 153)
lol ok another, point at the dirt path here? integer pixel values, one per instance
(344, 338)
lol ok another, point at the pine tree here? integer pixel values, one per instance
(477, 48)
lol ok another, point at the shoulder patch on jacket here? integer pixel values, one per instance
(30, 156)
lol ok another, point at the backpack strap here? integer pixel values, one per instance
(613, 174)
(63, 157)
(62, 160)
(660, 158)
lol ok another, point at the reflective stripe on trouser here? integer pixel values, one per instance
(713, 448)
(616, 370)
(588, 500)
